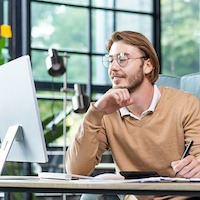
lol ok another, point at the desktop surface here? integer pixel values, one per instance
(34, 184)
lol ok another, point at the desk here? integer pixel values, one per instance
(34, 185)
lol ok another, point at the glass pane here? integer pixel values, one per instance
(136, 23)
(132, 5)
(53, 122)
(59, 26)
(40, 72)
(103, 3)
(180, 37)
(102, 27)
(5, 12)
(77, 67)
(77, 2)
(4, 19)
(135, 5)
(53, 106)
(99, 72)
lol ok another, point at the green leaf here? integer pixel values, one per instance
(1, 57)
(2, 43)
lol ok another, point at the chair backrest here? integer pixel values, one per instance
(191, 83)
(168, 80)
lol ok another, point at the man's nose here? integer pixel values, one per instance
(114, 65)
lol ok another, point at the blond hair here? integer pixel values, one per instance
(141, 42)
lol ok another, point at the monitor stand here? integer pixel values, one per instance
(13, 132)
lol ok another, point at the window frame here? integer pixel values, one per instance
(21, 27)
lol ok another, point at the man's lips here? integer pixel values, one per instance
(113, 75)
(116, 78)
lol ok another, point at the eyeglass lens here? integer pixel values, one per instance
(121, 58)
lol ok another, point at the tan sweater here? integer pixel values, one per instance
(151, 143)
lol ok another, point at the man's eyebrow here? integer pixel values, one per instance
(118, 54)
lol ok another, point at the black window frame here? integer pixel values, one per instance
(21, 41)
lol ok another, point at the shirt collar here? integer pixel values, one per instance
(156, 96)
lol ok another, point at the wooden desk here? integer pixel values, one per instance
(34, 185)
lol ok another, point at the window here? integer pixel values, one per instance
(180, 36)
(81, 28)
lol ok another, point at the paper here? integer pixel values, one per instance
(111, 178)
(194, 179)
(62, 176)
(142, 180)
(174, 179)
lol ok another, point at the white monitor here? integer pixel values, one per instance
(21, 133)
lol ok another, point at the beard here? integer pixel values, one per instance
(134, 81)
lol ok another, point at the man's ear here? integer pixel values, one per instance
(148, 67)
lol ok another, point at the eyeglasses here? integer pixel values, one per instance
(122, 59)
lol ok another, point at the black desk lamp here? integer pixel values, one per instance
(54, 63)
(56, 66)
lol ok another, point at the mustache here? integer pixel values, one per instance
(112, 75)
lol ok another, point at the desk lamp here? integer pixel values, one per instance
(54, 63)
(56, 66)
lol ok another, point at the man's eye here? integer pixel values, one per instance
(110, 59)
(122, 59)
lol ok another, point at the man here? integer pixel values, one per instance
(146, 127)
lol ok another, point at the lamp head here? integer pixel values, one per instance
(80, 101)
(54, 63)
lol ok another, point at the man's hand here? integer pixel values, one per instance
(113, 100)
(189, 167)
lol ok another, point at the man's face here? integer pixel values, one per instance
(126, 66)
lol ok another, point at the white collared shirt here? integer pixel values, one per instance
(156, 96)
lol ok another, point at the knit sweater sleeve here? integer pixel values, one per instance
(191, 124)
(89, 144)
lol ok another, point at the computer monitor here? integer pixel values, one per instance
(21, 133)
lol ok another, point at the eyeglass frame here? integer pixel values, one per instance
(107, 63)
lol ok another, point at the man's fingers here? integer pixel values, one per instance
(187, 167)
(122, 97)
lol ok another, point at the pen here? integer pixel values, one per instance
(186, 152)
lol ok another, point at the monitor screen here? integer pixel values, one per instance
(21, 133)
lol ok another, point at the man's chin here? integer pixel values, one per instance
(119, 86)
